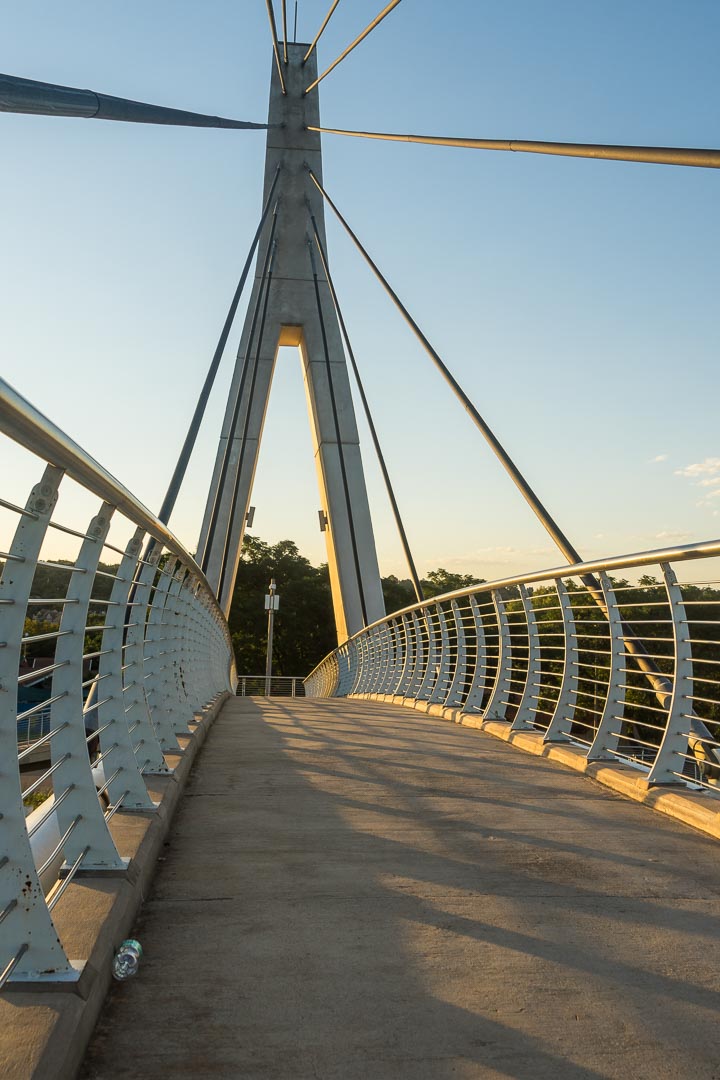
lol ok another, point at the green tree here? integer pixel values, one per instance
(304, 626)
(441, 581)
(397, 593)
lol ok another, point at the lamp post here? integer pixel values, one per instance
(272, 603)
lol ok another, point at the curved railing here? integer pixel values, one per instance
(132, 649)
(628, 671)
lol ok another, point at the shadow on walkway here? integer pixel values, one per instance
(355, 891)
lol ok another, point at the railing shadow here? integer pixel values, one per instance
(325, 912)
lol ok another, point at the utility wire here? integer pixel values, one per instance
(181, 468)
(317, 37)
(657, 155)
(50, 99)
(368, 416)
(368, 29)
(219, 487)
(338, 440)
(246, 423)
(276, 50)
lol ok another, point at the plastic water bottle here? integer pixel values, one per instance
(127, 960)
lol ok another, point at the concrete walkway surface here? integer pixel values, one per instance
(355, 891)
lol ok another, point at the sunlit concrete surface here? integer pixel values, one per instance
(353, 890)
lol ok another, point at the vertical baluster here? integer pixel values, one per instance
(142, 730)
(669, 763)
(418, 672)
(496, 706)
(525, 717)
(156, 640)
(28, 938)
(564, 711)
(405, 676)
(391, 658)
(123, 777)
(455, 691)
(80, 816)
(476, 694)
(445, 660)
(610, 726)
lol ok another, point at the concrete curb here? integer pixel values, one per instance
(44, 1033)
(699, 810)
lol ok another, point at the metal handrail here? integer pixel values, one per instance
(26, 425)
(509, 654)
(165, 655)
(706, 549)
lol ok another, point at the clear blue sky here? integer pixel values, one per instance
(576, 301)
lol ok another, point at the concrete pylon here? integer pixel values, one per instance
(292, 318)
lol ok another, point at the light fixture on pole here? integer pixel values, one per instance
(272, 603)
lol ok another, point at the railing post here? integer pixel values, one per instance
(403, 682)
(124, 782)
(79, 814)
(610, 725)
(525, 715)
(156, 637)
(564, 711)
(28, 940)
(142, 730)
(353, 665)
(387, 655)
(476, 694)
(455, 693)
(428, 676)
(497, 704)
(416, 672)
(363, 646)
(394, 657)
(169, 699)
(442, 682)
(380, 656)
(669, 763)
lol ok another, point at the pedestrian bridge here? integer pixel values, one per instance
(352, 889)
(482, 842)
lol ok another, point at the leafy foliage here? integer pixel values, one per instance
(304, 626)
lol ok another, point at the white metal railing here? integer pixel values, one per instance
(630, 672)
(126, 673)
(270, 686)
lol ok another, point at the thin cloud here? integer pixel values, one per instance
(668, 534)
(658, 458)
(710, 467)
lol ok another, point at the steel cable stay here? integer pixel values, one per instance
(203, 557)
(336, 424)
(18, 95)
(190, 439)
(361, 37)
(634, 644)
(368, 416)
(529, 495)
(246, 423)
(653, 155)
(320, 32)
(284, 26)
(181, 468)
(275, 45)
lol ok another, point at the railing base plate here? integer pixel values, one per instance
(60, 981)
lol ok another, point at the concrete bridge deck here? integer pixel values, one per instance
(354, 890)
